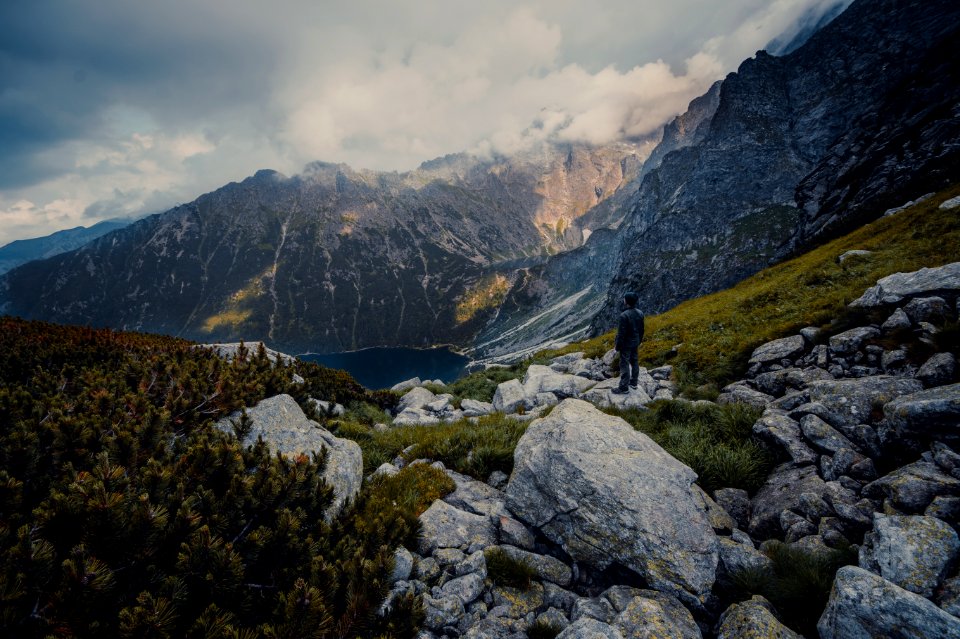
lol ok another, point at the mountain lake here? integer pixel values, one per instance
(382, 367)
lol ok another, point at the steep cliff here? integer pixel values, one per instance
(860, 118)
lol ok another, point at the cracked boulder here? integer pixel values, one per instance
(609, 494)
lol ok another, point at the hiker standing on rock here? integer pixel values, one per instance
(629, 335)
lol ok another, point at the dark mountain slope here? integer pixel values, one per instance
(860, 118)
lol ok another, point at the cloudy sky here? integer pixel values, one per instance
(113, 108)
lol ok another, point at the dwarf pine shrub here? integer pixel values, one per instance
(124, 513)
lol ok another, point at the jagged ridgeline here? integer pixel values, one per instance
(124, 513)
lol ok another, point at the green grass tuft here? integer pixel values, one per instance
(715, 441)
(504, 570)
(798, 585)
(475, 449)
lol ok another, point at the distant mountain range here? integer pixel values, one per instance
(501, 255)
(20, 252)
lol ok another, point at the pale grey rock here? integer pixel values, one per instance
(590, 369)
(894, 288)
(564, 363)
(893, 360)
(849, 342)
(950, 204)
(426, 569)
(510, 396)
(416, 398)
(545, 399)
(855, 253)
(447, 527)
(449, 556)
(864, 606)
(475, 563)
(927, 309)
(441, 404)
(328, 408)
(588, 628)
(474, 408)
(610, 357)
(940, 369)
(542, 379)
(853, 401)
(415, 416)
(519, 603)
(597, 608)
(898, 321)
(442, 611)
(735, 501)
(932, 413)
(553, 617)
(662, 372)
(402, 565)
(753, 619)
(823, 436)
(386, 469)
(736, 558)
(949, 596)
(773, 352)
(475, 496)
(558, 597)
(811, 334)
(649, 618)
(737, 394)
(915, 552)
(781, 492)
(467, 588)
(911, 488)
(720, 520)
(228, 351)
(406, 385)
(498, 479)
(600, 395)
(281, 423)
(607, 493)
(513, 533)
(547, 568)
(783, 434)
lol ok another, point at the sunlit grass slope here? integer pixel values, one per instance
(710, 338)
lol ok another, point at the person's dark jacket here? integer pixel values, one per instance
(630, 329)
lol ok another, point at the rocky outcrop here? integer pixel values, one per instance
(608, 494)
(863, 605)
(281, 423)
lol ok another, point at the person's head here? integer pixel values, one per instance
(631, 299)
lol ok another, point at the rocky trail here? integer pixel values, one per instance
(621, 542)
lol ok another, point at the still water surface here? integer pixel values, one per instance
(383, 367)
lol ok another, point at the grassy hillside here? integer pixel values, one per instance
(710, 338)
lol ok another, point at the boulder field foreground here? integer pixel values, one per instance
(620, 540)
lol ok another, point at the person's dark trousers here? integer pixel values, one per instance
(629, 368)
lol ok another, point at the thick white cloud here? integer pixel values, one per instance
(125, 108)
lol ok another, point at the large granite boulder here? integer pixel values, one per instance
(864, 606)
(543, 379)
(893, 289)
(601, 395)
(609, 494)
(853, 401)
(511, 396)
(778, 349)
(913, 487)
(933, 413)
(916, 553)
(282, 424)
